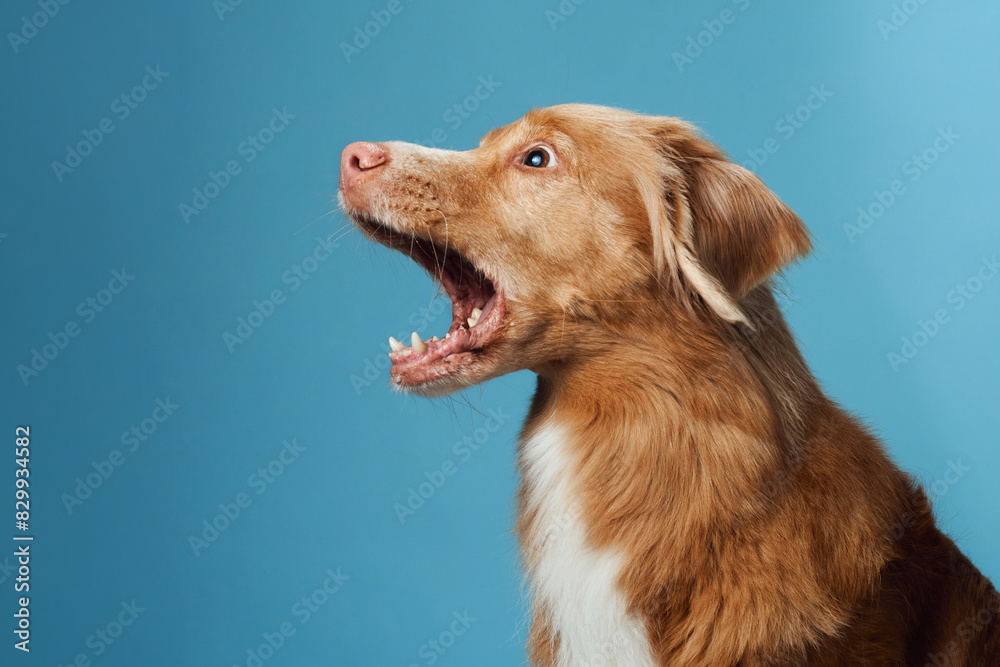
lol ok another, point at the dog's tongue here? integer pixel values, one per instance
(488, 307)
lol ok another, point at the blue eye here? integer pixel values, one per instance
(539, 157)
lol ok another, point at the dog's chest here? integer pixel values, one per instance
(576, 584)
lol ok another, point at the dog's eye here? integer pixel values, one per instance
(540, 156)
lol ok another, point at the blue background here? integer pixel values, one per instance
(313, 371)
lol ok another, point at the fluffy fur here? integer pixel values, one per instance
(689, 496)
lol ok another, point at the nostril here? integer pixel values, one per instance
(370, 158)
(360, 158)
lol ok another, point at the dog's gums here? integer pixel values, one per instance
(478, 309)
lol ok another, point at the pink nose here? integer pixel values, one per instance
(358, 160)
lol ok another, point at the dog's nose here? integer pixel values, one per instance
(359, 159)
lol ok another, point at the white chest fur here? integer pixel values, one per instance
(577, 583)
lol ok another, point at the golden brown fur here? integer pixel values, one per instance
(760, 524)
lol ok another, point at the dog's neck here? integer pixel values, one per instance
(656, 451)
(642, 392)
(650, 424)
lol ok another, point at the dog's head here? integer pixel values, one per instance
(560, 229)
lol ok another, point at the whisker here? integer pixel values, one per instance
(342, 235)
(446, 236)
(317, 220)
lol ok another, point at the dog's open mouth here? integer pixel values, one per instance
(477, 311)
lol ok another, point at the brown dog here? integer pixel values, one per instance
(689, 496)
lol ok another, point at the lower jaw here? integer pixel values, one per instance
(440, 377)
(443, 365)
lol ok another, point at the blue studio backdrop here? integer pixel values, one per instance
(219, 474)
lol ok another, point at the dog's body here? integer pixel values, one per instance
(689, 496)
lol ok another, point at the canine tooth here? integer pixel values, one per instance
(418, 345)
(395, 344)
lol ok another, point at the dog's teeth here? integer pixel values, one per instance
(395, 344)
(447, 335)
(418, 345)
(472, 323)
(476, 314)
(433, 339)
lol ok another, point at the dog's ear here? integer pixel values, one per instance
(743, 233)
(729, 232)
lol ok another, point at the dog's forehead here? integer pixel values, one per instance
(530, 125)
(571, 120)
(582, 124)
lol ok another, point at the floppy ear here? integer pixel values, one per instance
(743, 233)
(729, 232)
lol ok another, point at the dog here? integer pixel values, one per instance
(688, 494)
